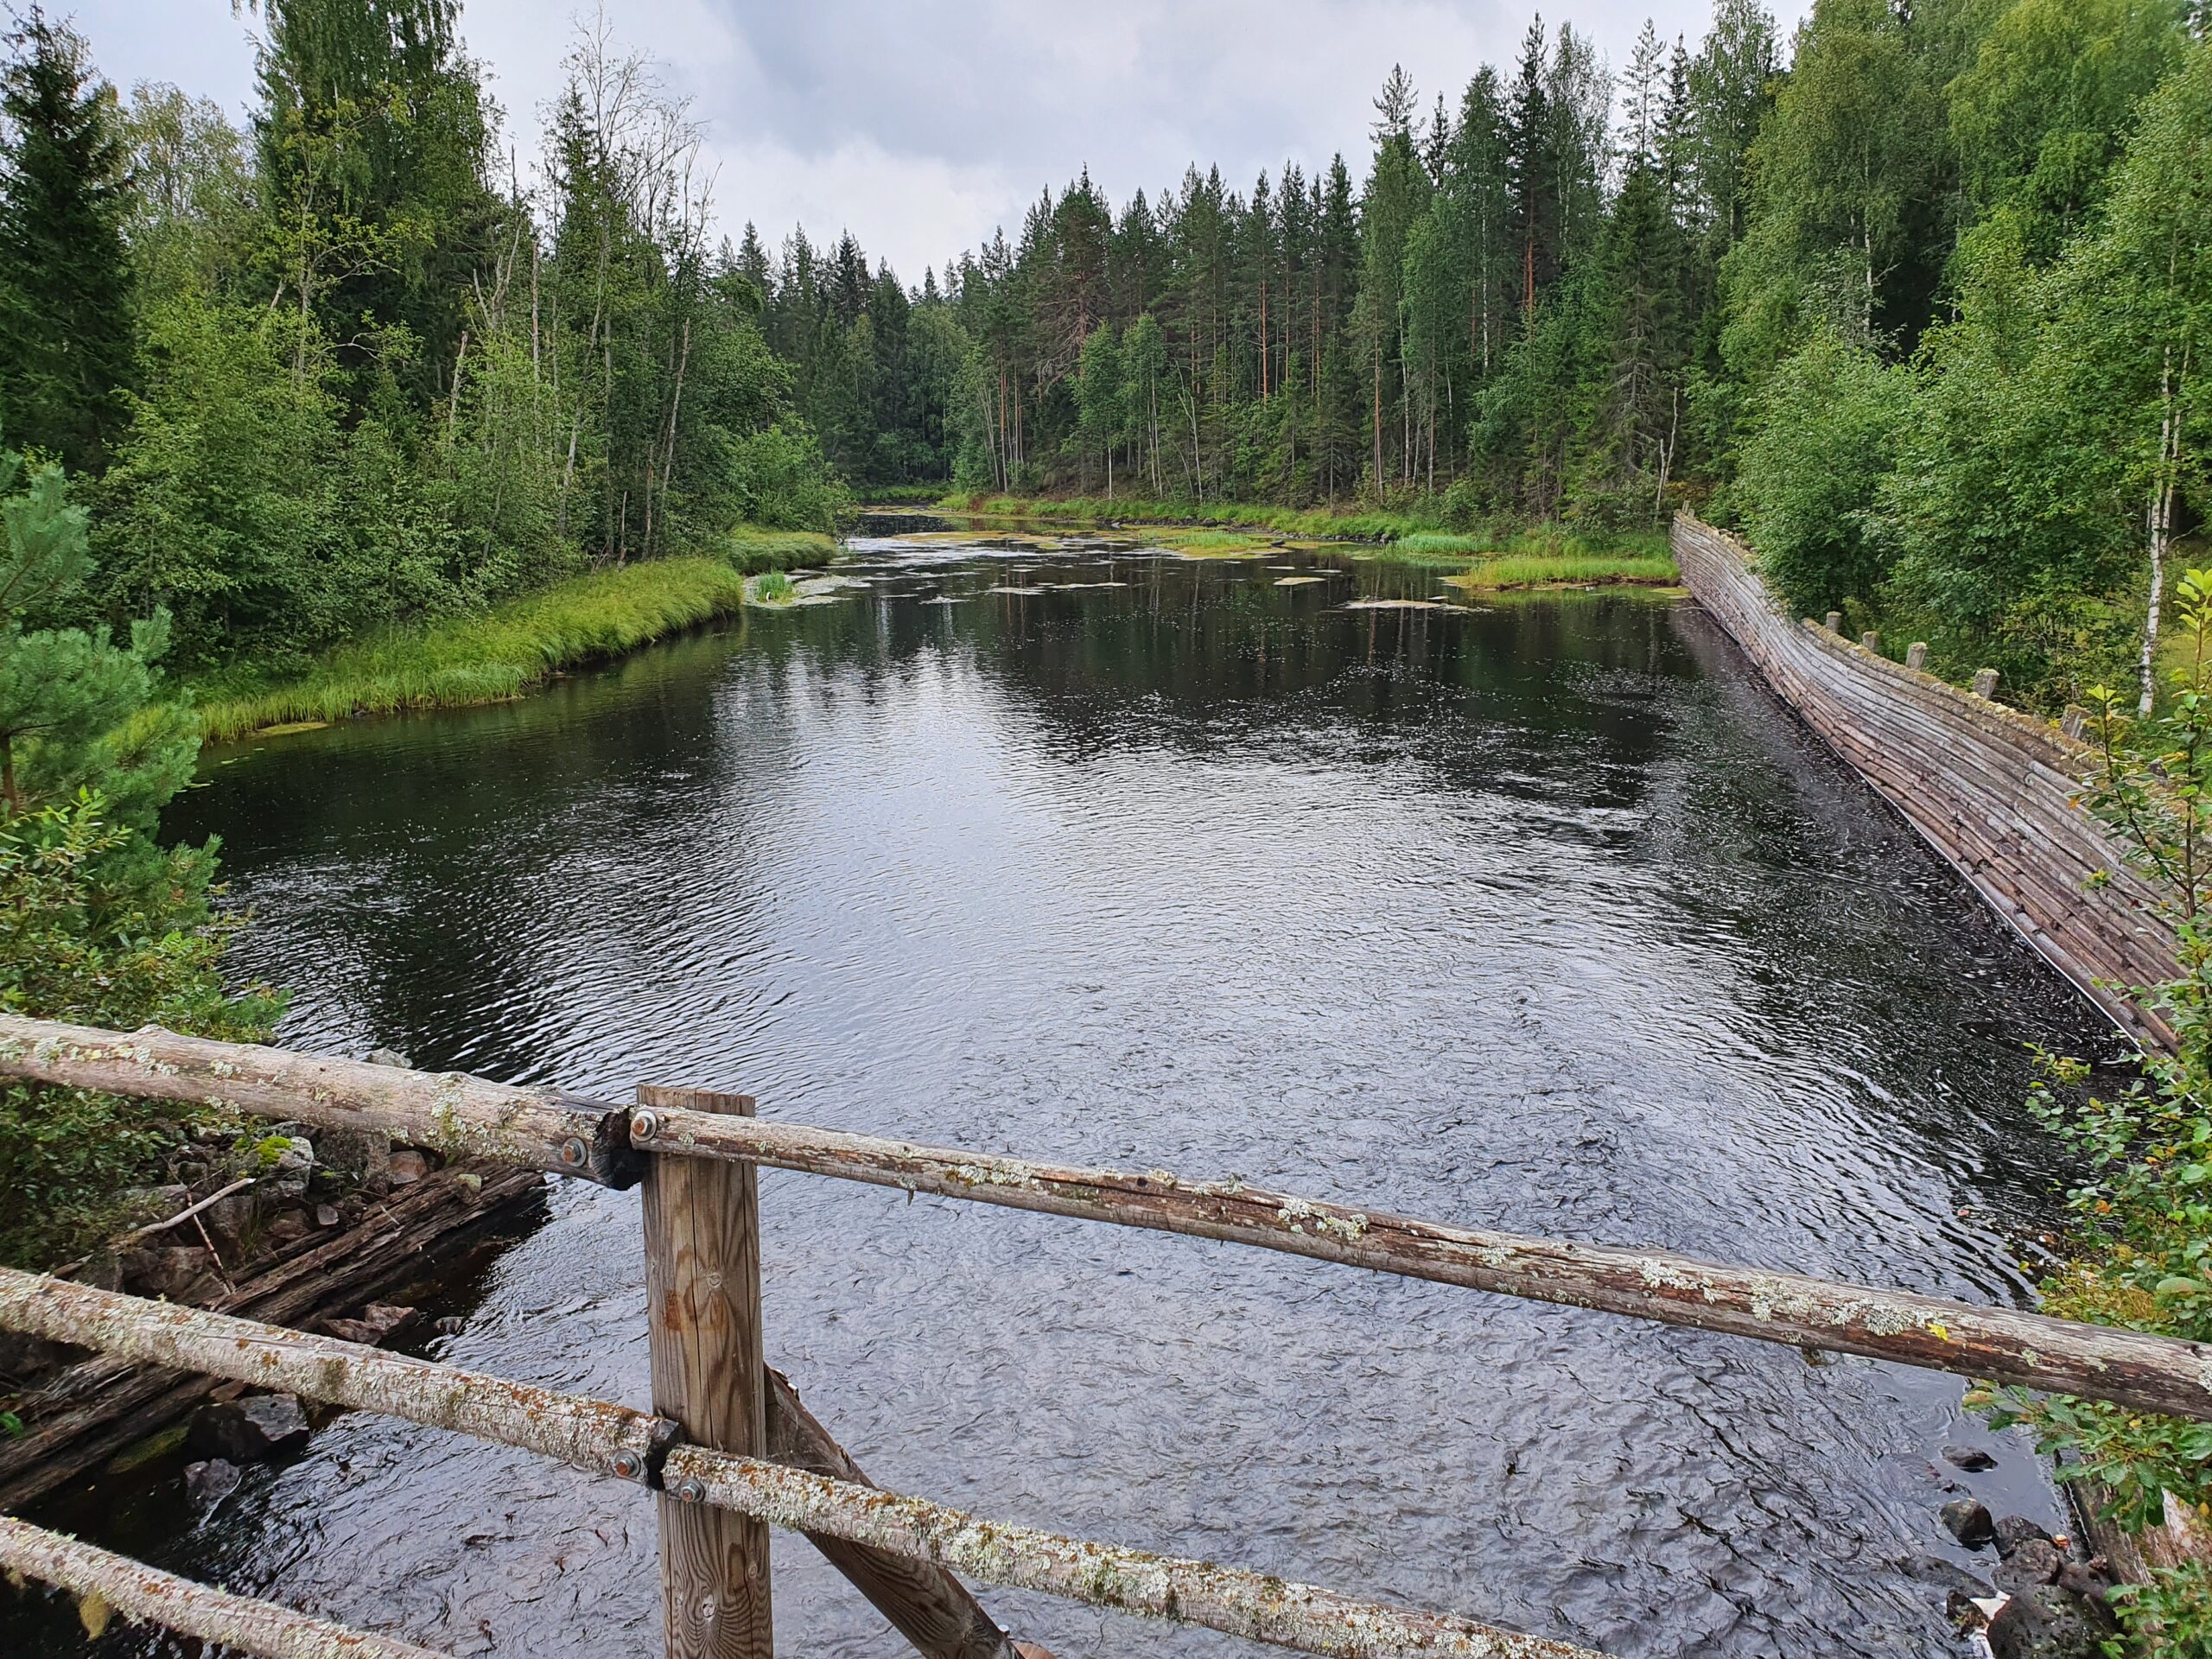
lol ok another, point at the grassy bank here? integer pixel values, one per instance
(1521, 556)
(512, 646)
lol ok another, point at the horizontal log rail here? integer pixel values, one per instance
(596, 1435)
(2148, 1373)
(2128, 1368)
(587, 1433)
(450, 1112)
(148, 1595)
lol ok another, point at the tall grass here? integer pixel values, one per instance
(1417, 535)
(1549, 569)
(754, 550)
(497, 655)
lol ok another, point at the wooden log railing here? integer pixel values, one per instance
(603, 1437)
(710, 1377)
(216, 1617)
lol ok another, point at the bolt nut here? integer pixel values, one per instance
(574, 1154)
(628, 1464)
(691, 1489)
(643, 1126)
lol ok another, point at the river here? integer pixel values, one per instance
(1537, 913)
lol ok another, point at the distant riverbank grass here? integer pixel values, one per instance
(513, 645)
(1523, 556)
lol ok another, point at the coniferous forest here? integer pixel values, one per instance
(1918, 299)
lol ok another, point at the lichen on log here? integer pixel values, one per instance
(587, 1433)
(217, 1616)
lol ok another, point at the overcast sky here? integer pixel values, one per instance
(920, 124)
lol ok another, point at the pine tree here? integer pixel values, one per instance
(66, 290)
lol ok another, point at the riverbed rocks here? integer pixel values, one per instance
(246, 1431)
(1967, 1519)
(2033, 1561)
(179, 1273)
(2013, 1530)
(409, 1165)
(208, 1483)
(375, 1325)
(1971, 1459)
(2048, 1622)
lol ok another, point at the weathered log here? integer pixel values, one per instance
(103, 1405)
(2149, 1373)
(702, 1300)
(1258, 1606)
(925, 1604)
(604, 1439)
(216, 1617)
(449, 1111)
(594, 1434)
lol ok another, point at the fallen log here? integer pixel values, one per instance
(100, 1407)
(463, 1117)
(2149, 1373)
(216, 1617)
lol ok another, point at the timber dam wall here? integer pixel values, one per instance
(1989, 788)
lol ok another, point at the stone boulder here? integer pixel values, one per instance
(246, 1431)
(2045, 1622)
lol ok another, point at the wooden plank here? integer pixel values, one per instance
(239, 1624)
(925, 1603)
(2160, 1373)
(1990, 789)
(702, 1290)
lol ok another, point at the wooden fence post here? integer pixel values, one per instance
(703, 1288)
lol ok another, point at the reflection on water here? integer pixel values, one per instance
(1536, 914)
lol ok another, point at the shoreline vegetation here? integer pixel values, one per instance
(513, 646)
(1479, 558)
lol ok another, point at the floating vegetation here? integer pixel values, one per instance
(1398, 605)
(1568, 569)
(1297, 581)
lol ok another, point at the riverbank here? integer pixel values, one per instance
(1528, 555)
(512, 646)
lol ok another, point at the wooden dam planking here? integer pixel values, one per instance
(1990, 789)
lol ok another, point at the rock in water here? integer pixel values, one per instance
(2033, 1561)
(1968, 1521)
(1972, 1459)
(2045, 1622)
(2013, 1530)
(246, 1431)
(208, 1483)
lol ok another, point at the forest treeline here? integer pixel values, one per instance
(1922, 297)
(344, 365)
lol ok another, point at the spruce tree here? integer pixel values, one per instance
(66, 335)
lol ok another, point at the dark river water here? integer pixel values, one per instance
(1539, 915)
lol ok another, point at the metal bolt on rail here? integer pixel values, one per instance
(574, 1153)
(628, 1465)
(643, 1126)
